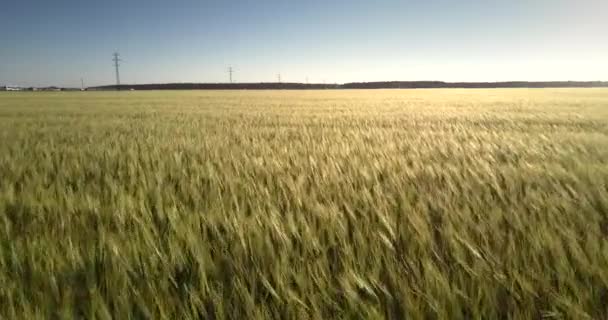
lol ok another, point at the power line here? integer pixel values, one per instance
(230, 72)
(117, 60)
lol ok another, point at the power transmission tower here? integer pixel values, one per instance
(279, 77)
(117, 60)
(230, 72)
(306, 80)
(81, 84)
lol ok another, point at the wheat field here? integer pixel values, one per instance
(386, 204)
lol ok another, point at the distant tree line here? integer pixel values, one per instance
(472, 85)
(219, 86)
(354, 85)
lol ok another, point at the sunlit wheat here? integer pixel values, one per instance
(423, 204)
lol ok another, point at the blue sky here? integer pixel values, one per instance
(59, 42)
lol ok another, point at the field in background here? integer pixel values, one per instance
(436, 204)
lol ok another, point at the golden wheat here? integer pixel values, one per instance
(424, 204)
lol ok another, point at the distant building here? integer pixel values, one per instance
(13, 89)
(50, 89)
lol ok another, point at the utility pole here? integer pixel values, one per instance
(81, 84)
(117, 60)
(279, 77)
(230, 72)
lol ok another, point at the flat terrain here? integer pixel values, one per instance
(417, 204)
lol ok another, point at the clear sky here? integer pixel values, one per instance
(58, 42)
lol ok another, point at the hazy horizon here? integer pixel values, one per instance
(59, 43)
